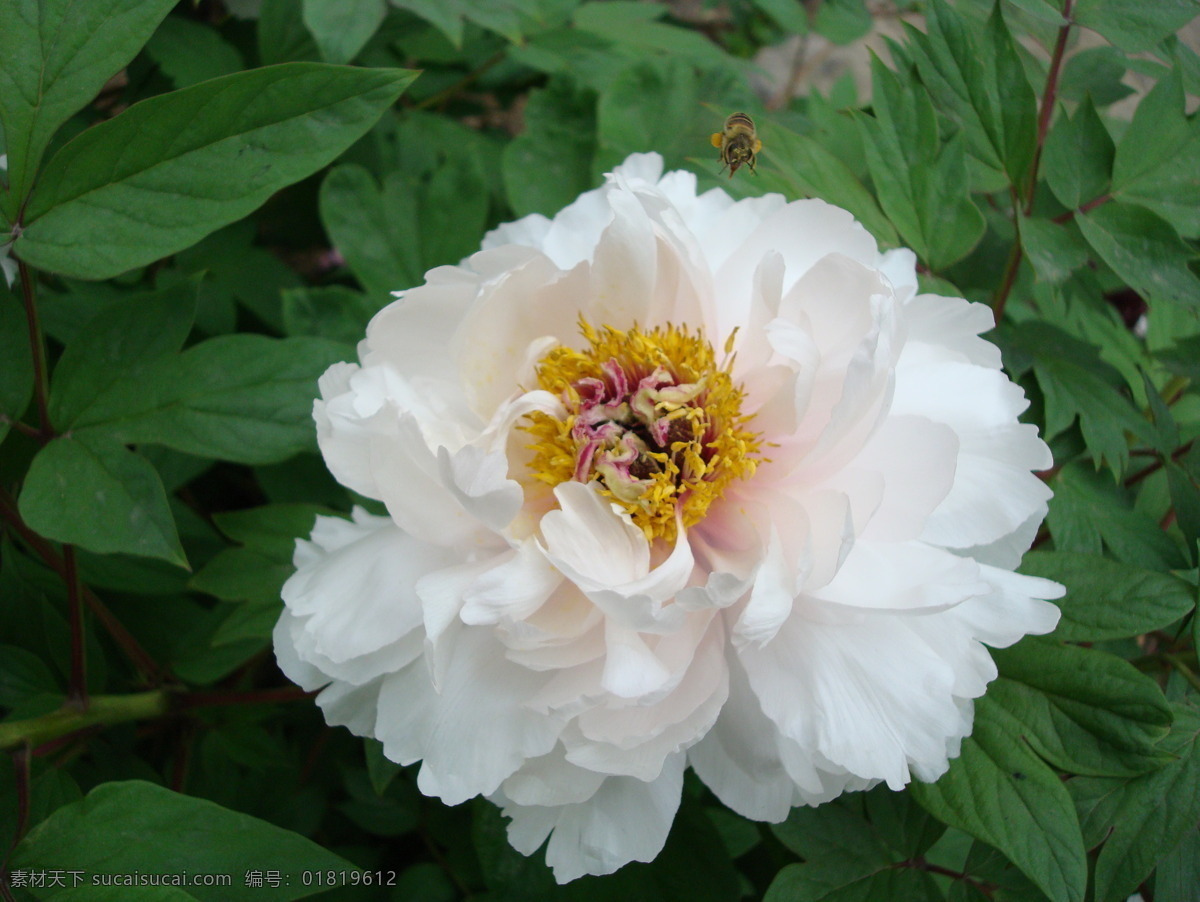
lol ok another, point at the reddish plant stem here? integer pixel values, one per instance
(1011, 268)
(1049, 96)
(1090, 205)
(150, 671)
(1158, 464)
(77, 694)
(921, 864)
(20, 760)
(37, 349)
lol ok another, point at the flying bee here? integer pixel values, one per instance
(738, 142)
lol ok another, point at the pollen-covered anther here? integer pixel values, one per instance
(651, 418)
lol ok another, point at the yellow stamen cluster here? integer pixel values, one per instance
(700, 458)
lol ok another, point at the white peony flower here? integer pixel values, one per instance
(671, 480)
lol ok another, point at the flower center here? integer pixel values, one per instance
(651, 418)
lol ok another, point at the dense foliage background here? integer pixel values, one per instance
(201, 233)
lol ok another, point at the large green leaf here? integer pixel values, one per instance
(1135, 25)
(1107, 599)
(1077, 383)
(1144, 250)
(134, 827)
(829, 881)
(244, 398)
(374, 228)
(1085, 711)
(1078, 157)
(1088, 513)
(1143, 819)
(977, 79)
(93, 492)
(116, 346)
(173, 168)
(550, 164)
(1001, 793)
(55, 55)
(922, 184)
(1157, 163)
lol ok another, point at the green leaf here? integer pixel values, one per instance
(832, 832)
(282, 36)
(189, 53)
(256, 571)
(922, 187)
(333, 312)
(842, 21)
(998, 791)
(1084, 711)
(1056, 251)
(550, 163)
(1088, 512)
(342, 27)
(1095, 73)
(791, 17)
(243, 398)
(1177, 877)
(16, 367)
(657, 104)
(241, 574)
(173, 168)
(444, 15)
(827, 881)
(979, 82)
(376, 230)
(628, 23)
(22, 674)
(271, 529)
(57, 55)
(1076, 383)
(1144, 250)
(1078, 158)
(1146, 817)
(380, 769)
(92, 492)
(1109, 600)
(134, 827)
(1135, 25)
(1157, 163)
(115, 347)
(1040, 9)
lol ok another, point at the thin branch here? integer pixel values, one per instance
(21, 777)
(149, 670)
(441, 97)
(1011, 268)
(106, 710)
(1090, 205)
(37, 349)
(1158, 464)
(77, 694)
(1049, 96)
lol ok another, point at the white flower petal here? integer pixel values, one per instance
(358, 596)
(625, 820)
